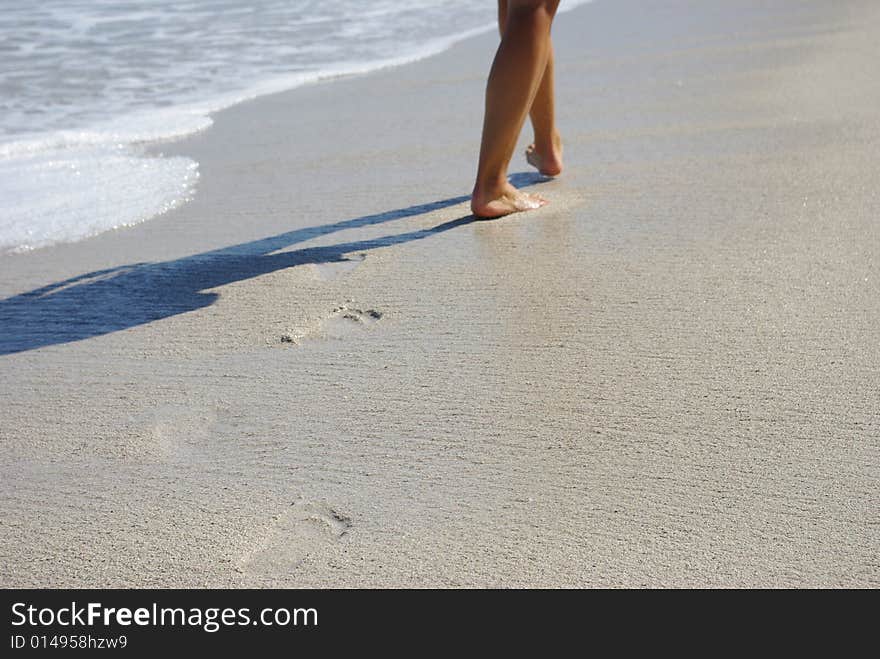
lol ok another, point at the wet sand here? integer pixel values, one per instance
(323, 372)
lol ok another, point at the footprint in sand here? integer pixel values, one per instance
(305, 528)
(342, 321)
(354, 315)
(170, 431)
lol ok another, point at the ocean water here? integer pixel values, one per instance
(87, 85)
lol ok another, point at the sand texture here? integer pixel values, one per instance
(322, 372)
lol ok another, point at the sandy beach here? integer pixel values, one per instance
(323, 372)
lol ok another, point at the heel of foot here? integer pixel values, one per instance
(547, 165)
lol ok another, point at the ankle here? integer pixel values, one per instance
(548, 143)
(490, 185)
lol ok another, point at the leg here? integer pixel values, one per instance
(514, 80)
(502, 16)
(545, 153)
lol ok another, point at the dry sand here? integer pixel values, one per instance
(322, 372)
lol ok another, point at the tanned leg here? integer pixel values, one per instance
(545, 153)
(514, 80)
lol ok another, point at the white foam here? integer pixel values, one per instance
(57, 196)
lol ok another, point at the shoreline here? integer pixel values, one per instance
(664, 378)
(138, 137)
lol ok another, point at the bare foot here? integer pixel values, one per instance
(495, 203)
(548, 158)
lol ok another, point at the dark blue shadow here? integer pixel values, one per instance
(115, 299)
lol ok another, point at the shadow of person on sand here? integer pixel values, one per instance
(114, 299)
